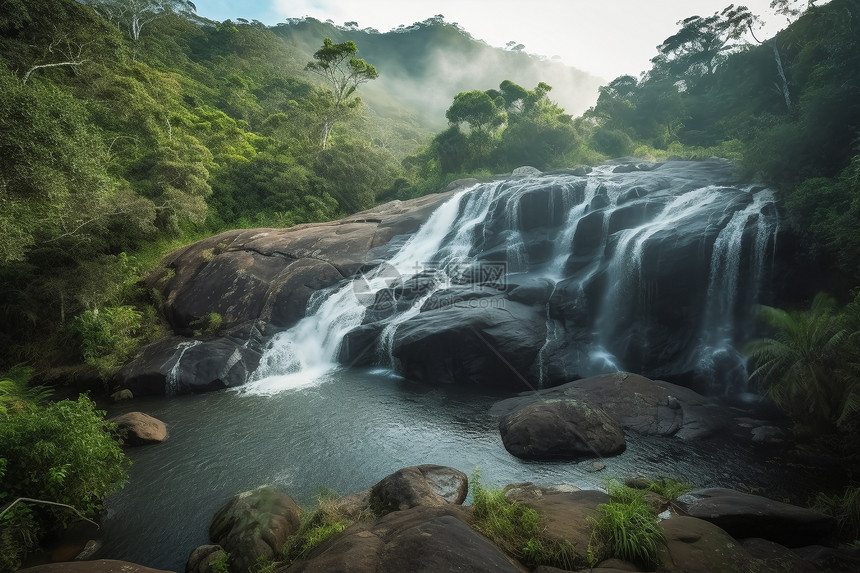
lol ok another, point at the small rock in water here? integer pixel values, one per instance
(596, 467)
(124, 394)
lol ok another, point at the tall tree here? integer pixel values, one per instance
(702, 43)
(337, 64)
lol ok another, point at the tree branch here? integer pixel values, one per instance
(46, 502)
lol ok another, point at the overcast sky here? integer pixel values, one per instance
(605, 37)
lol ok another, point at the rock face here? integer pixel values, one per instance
(697, 546)
(527, 282)
(426, 485)
(744, 515)
(419, 540)
(253, 524)
(139, 429)
(560, 428)
(258, 282)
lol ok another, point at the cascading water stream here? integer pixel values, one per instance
(719, 326)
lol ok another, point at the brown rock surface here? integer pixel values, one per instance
(97, 566)
(139, 429)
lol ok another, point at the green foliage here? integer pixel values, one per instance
(845, 508)
(811, 365)
(61, 452)
(517, 529)
(669, 488)
(16, 393)
(208, 325)
(626, 528)
(317, 526)
(221, 564)
(109, 336)
(19, 535)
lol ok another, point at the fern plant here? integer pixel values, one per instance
(810, 366)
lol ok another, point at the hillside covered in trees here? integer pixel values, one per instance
(126, 134)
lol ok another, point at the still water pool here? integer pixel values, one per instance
(346, 431)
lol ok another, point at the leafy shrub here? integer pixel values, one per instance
(107, 336)
(845, 508)
(62, 453)
(811, 364)
(625, 529)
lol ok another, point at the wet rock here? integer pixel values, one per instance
(254, 524)
(744, 515)
(493, 342)
(561, 428)
(139, 429)
(178, 365)
(121, 395)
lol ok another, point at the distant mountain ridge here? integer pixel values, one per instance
(423, 66)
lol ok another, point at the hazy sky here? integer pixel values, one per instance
(605, 37)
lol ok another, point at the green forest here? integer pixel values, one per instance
(125, 134)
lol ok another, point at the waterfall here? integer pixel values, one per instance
(644, 270)
(173, 375)
(303, 354)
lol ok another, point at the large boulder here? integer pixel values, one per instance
(254, 524)
(179, 365)
(566, 515)
(139, 429)
(561, 428)
(697, 546)
(419, 540)
(650, 407)
(425, 485)
(489, 341)
(269, 274)
(744, 515)
(258, 282)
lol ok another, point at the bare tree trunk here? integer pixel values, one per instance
(327, 126)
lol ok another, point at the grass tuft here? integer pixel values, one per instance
(626, 528)
(517, 529)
